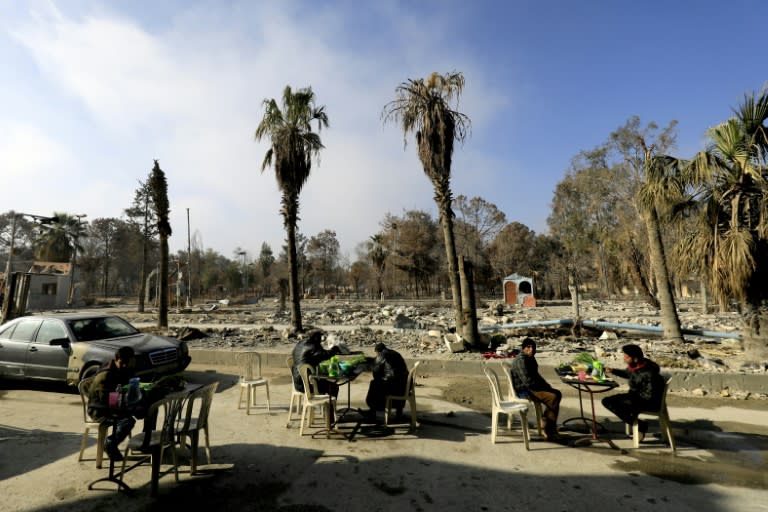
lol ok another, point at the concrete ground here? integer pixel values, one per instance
(448, 463)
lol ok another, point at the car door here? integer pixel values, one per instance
(46, 361)
(15, 340)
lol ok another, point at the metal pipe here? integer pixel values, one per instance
(608, 325)
(657, 329)
(522, 325)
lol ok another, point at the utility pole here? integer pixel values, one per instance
(189, 265)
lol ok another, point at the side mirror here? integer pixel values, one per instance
(59, 342)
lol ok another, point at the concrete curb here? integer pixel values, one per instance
(712, 383)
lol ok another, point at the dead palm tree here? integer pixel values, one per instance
(293, 145)
(423, 106)
(158, 189)
(731, 177)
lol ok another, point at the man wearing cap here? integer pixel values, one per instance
(390, 377)
(646, 388)
(113, 376)
(531, 385)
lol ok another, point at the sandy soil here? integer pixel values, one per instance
(447, 464)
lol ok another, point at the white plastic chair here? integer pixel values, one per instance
(505, 407)
(194, 419)
(312, 401)
(512, 395)
(408, 396)
(100, 427)
(296, 396)
(250, 380)
(662, 414)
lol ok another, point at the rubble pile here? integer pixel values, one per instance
(418, 329)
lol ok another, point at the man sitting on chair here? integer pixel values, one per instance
(646, 388)
(116, 373)
(311, 351)
(390, 377)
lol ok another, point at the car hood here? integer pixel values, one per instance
(140, 342)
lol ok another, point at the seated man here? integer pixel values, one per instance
(646, 388)
(530, 384)
(390, 377)
(115, 374)
(310, 351)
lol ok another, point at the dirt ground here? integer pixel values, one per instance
(448, 463)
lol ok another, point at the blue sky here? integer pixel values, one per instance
(94, 91)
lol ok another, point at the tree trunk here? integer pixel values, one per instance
(291, 207)
(453, 275)
(162, 318)
(755, 332)
(470, 331)
(573, 289)
(704, 296)
(636, 272)
(143, 278)
(670, 322)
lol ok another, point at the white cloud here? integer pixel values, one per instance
(190, 94)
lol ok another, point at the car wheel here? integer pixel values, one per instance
(89, 371)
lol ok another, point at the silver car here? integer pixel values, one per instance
(70, 347)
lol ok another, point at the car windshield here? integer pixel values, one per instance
(100, 328)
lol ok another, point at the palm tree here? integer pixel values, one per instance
(59, 239)
(660, 188)
(293, 145)
(732, 239)
(423, 107)
(158, 189)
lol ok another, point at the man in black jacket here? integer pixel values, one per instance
(646, 387)
(310, 351)
(530, 384)
(390, 377)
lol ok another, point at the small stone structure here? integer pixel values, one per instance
(519, 290)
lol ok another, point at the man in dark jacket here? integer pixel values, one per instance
(530, 384)
(115, 374)
(646, 388)
(310, 351)
(390, 377)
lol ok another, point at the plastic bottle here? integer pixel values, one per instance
(134, 392)
(333, 368)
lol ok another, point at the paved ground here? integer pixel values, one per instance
(449, 463)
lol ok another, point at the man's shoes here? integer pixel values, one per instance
(642, 426)
(113, 451)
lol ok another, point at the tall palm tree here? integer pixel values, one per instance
(732, 180)
(293, 145)
(158, 189)
(660, 188)
(423, 106)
